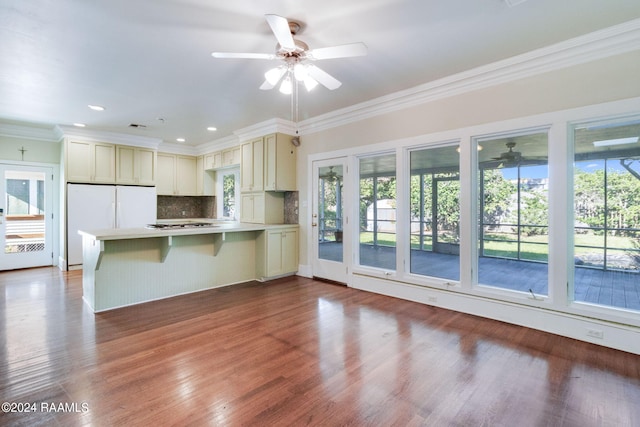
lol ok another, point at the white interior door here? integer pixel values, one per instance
(26, 222)
(329, 221)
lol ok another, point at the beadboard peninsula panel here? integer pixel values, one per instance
(192, 263)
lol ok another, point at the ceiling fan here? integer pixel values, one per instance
(331, 175)
(297, 58)
(511, 158)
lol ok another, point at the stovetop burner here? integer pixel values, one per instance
(180, 225)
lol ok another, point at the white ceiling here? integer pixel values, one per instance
(150, 59)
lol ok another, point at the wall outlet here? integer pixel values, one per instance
(595, 333)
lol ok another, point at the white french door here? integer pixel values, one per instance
(329, 221)
(26, 223)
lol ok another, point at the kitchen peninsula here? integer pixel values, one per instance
(123, 267)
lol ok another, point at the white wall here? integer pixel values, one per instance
(609, 79)
(595, 89)
(37, 151)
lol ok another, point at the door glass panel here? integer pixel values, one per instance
(24, 215)
(606, 194)
(330, 212)
(513, 182)
(378, 211)
(435, 212)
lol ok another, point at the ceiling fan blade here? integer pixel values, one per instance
(266, 85)
(234, 55)
(280, 28)
(323, 77)
(342, 51)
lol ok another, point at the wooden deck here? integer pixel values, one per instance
(610, 288)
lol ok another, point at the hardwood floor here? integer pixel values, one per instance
(292, 352)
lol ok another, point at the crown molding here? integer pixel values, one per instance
(217, 144)
(110, 137)
(601, 44)
(33, 132)
(266, 127)
(174, 148)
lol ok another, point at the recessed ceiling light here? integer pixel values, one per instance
(212, 129)
(96, 107)
(617, 141)
(79, 125)
(180, 139)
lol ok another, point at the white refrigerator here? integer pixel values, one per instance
(96, 207)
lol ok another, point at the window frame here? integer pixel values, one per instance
(220, 174)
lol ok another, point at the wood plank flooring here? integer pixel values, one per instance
(292, 352)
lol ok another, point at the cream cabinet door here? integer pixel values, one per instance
(217, 160)
(231, 156)
(208, 161)
(186, 182)
(166, 176)
(246, 208)
(205, 182)
(281, 252)
(246, 167)
(274, 256)
(200, 175)
(78, 161)
(146, 166)
(279, 163)
(125, 165)
(290, 250)
(252, 166)
(90, 162)
(104, 163)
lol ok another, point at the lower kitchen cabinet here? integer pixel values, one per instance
(277, 252)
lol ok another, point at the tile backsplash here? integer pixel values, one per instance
(176, 207)
(172, 207)
(291, 207)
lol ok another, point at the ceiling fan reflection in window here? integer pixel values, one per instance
(331, 175)
(297, 58)
(511, 158)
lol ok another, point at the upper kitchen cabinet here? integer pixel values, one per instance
(205, 184)
(252, 166)
(90, 162)
(279, 163)
(136, 166)
(231, 157)
(222, 159)
(177, 175)
(268, 164)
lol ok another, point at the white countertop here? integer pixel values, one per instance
(143, 233)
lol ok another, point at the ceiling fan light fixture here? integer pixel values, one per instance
(300, 72)
(274, 75)
(310, 83)
(286, 87)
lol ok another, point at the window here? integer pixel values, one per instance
(377, 217)
(435, 212)
(606, 198)
(226, 190)
(513, 219)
